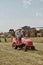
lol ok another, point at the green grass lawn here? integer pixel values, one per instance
(10, 56)
(37, 39)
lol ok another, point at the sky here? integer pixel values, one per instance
(15, 14)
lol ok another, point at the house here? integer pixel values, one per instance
(32, 32)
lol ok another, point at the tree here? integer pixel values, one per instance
(12, 32)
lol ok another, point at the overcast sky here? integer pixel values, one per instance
(17, 13)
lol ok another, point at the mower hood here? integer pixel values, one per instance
(26, 39)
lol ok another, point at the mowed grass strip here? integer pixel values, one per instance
(10, 56)
(34, 39)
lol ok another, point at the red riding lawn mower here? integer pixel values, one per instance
(25, 44)
(22, 42)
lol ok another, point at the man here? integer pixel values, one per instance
(19, 34)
